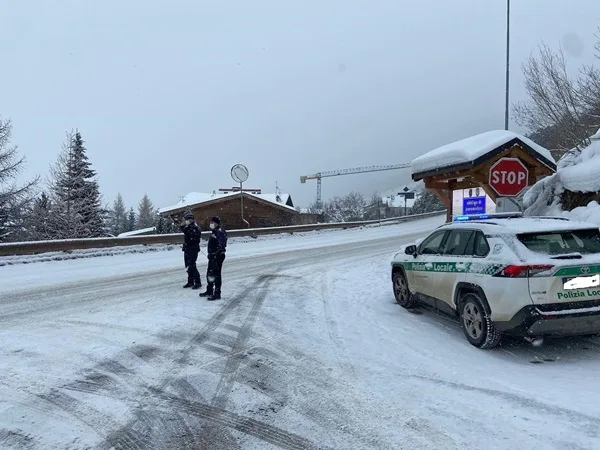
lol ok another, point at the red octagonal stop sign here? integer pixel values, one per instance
(508, 177)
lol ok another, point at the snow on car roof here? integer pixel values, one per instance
(523, 225)
(470, 149)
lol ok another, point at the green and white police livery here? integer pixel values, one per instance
(506, 274)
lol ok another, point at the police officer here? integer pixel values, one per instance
(217, 245)
(191, 248)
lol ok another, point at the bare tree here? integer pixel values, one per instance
(345, 209)
(555, 99)
(14, 198)
(562, 111)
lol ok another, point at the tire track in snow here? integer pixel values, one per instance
(126, 435)
(589, 423)
(342, 357)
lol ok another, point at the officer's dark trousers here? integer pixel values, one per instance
(215, 264)
(190, 259)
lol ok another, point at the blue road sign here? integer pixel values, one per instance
(474, 205)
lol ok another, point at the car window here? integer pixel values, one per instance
(457, 242)
(478, 246)
(431, 245)
(562, 242)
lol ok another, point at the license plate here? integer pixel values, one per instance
(581, 282)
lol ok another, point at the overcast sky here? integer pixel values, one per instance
(169, 95)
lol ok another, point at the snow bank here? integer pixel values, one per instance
(471, 148)
(576, 172)
(583, 170)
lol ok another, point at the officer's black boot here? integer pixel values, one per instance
(188, 285)
(197, 284)
(208, 292)
(216, 295)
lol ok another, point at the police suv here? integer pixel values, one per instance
(506, 274)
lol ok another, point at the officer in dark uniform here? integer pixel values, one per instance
(217, 245)
(191, 248)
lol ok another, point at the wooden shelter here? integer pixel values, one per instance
(466, 164)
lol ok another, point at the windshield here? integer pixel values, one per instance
(562, 242)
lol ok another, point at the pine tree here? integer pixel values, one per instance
(13, 199)
(77, 211)
(118, 219)
(39, 219)
(146, 217)
(131, 220)
(427, 202)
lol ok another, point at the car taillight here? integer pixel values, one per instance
(523, 271)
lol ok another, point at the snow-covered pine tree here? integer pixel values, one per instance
(146, 217)
(427, 202)
(38, 219)
(131, 220)
(77, 211)
(118, 219)
(14, 199)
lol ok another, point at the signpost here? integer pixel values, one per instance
(508, 177)
(406, 194)
(240, 174)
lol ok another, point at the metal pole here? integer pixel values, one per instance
(242, 202)
(507, 64)
(405, 203)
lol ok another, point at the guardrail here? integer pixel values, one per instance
(66, 245)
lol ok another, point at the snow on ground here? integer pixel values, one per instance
(471, 148)
(171, 257)
(307, 350)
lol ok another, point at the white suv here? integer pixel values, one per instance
(506, 274)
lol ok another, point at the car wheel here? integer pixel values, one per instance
(401, 291)
(476, 323)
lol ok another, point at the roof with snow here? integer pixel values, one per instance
(194, 199)
(475, 150)
(138, 232)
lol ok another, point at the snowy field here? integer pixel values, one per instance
(307, 350)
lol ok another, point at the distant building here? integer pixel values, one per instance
(260, 210)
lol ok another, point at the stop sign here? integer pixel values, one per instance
(508, 177)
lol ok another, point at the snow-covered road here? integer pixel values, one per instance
(306, 350)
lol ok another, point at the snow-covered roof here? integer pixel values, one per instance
(468, 151)
(197, 198)
(136, 232)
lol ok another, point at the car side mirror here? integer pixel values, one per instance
(411, 250)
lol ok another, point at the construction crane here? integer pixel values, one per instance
(334, 173)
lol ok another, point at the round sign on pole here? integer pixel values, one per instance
(509, 177)
(239, 173)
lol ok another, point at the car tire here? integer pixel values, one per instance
(401, 290)
(477, 324)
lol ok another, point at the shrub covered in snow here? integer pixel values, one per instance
(574, 190)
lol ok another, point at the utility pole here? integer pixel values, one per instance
(507, 64)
